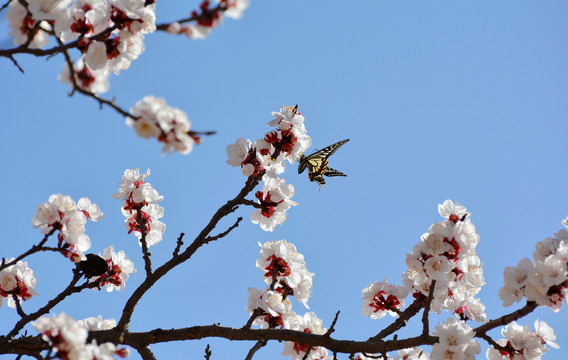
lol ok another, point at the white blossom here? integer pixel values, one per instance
(17, 279)
(274, 200)
(168, 125)
(21, 24)
(281, 260)
(97, 323)
(381, 298)
(455, 341)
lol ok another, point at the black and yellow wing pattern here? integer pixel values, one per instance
(318, 161)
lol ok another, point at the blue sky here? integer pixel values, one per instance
(441, 100)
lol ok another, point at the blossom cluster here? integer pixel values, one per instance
(455, 341)
(68, 338)
(284, 269)
(63, 214)
(16, 280)
(447, 254)
(267, 157)
(543, 280)
(521, 343)
(140, 208)
(108, 33)
(156, 119)
(119, 269)
(209, 17)
(381, 298)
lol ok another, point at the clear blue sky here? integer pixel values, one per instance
(458, 100)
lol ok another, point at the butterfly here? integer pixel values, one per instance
(317, 163)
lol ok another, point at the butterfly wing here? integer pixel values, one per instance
(332, 172)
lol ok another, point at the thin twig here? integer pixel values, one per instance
(425, 318)
(400, 322)
(197, 133)
(164, 26)
(5, 5)
(259, 344)
(34, 249)
(224, 233)
(76, 87)
(332, 327)
(255, 313)
(251, 203)
(207, 352)
(54, 50)
(505, 319)
(18, 305)
(493, 343)
(11, 57)
(32, 34)
(179, 244)
(145, 252)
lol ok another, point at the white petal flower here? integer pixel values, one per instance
(96, 55)
(45, 216)
(381, 298)
(47, 9)
(120, 268)
(414, 353)
(95, 81)
(439, 268)
(238, 151)
(21, 25)
(455, 338)
(138, 10)
(449, 208)
(155, 118)
(274, 201)
(97, 323)
(281, 260)
(92, 210)
(277, 310)
(235, 8)
(62, 332)
(17, 279)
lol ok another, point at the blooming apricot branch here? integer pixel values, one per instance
(109, 35)
(444, 275)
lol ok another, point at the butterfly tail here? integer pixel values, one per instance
(332, 172)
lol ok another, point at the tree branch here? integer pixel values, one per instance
(22, 49)
(400, 322)
(34, 249)
(145, 353)
(425, 318)
(224, 233)
(138, 339)
(71, 289)
(259, 345)
(505, 319)
(145, 252)
(199, 241)
(179, 244)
